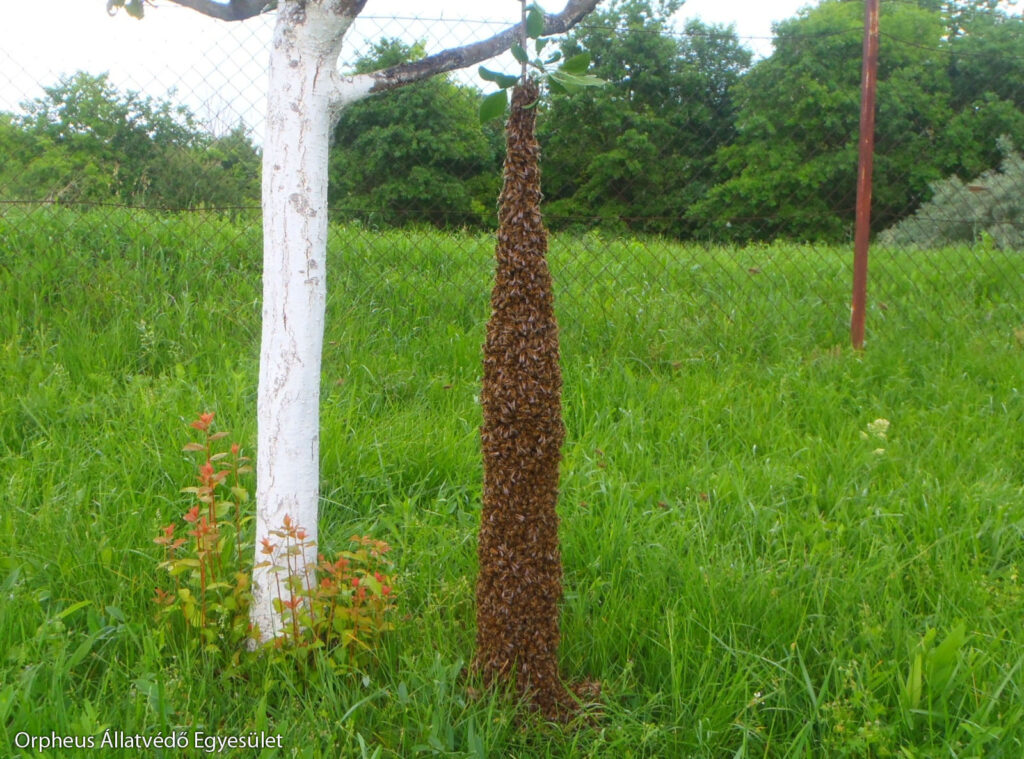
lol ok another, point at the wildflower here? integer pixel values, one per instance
(876, 429)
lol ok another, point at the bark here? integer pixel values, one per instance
(520, 582)
(304, 96)
(232, 10)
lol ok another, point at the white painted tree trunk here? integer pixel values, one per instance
(305, 96)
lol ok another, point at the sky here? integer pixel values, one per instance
(218, 69)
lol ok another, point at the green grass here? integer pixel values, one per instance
(746, 575)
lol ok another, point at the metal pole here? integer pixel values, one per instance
(862, 233)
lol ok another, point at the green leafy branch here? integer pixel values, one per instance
(569, 77)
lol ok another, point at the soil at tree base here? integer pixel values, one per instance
(520, 582)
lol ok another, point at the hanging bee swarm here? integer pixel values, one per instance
(520, 582)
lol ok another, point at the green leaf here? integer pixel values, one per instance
(540, 44)
(72, 609)
(493, 106)
(578, 64)
(556, 87)
(553, 58)
(534, 22)
(518, 53)
(502, 80)
(573, 82)
(81, 652)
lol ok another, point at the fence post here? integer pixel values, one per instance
(862, 232)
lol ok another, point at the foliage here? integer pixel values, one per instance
(416, 155)
(87, 142)
(792, 167)
(348, 608)
(687, 139)
(988, 209)
(569, 77)
(636, 153)
(943, 99)
(344, 612)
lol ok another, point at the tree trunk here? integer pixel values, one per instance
(302, 107)
(520, 582)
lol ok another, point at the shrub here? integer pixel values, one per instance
(345, 612)
(989, 209)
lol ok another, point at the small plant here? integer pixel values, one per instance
(210, 586)
(345, 611)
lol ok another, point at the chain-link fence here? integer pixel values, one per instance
(724, 177)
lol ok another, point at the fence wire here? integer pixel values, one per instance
(704, 176)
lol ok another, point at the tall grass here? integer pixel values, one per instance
(747, 574)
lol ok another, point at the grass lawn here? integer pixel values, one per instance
(753, 569)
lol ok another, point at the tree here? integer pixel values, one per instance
(949, 83)
(306, 95)
(986, 73)
(417, 156)
(792, 167)
(87, 142)
(638, 152)
(987, 209)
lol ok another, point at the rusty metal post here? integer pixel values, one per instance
(862, 232)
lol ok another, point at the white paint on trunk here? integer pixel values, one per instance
(305, 96)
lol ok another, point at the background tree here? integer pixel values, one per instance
(792, 167)
(416, 156)
(85, 141)
(306, 95)
(946, 74)
(637, 153)
(986, 72)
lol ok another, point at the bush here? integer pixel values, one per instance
(988, 208)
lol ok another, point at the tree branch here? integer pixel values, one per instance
(461, 57)
(232, 10)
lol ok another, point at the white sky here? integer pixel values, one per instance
(218, 68)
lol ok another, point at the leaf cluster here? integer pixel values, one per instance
(415, 155)
(570, 75)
